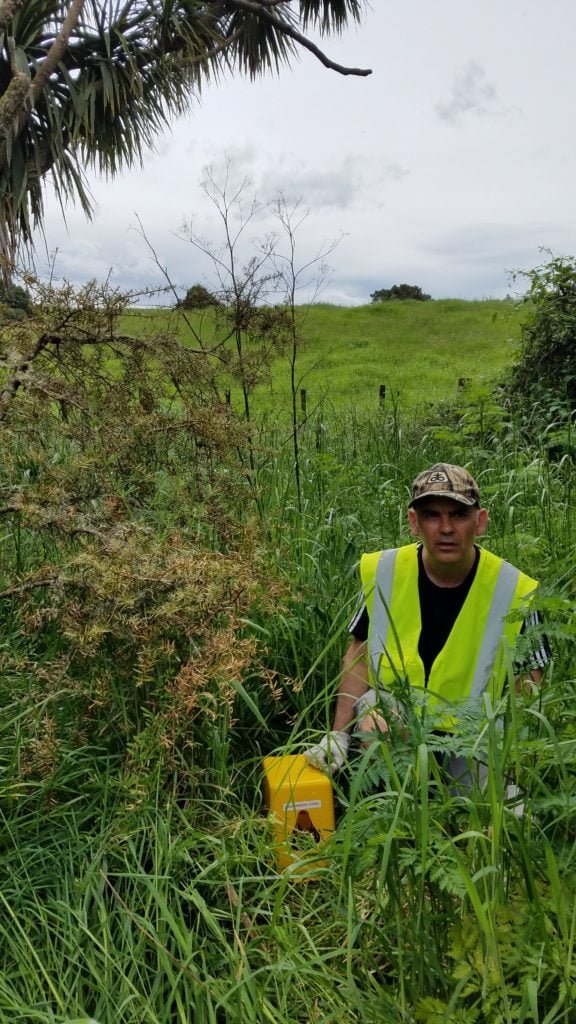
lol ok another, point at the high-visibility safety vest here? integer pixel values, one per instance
(473, 658)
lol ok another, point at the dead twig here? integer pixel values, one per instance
(21, 588)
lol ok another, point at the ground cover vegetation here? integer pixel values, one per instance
(546, 369)
(173, 606)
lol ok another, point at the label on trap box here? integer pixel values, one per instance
(302, 805)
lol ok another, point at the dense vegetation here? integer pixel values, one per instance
(173, 606)
(546, 369)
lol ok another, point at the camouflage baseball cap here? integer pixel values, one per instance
(446, 481)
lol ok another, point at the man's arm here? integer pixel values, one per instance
(353, 684)
(330, 753)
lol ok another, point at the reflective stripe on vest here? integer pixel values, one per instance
(473, 656)
(500, 606)
(380, 618)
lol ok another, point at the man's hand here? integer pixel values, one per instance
(330, 753)
(367, 719)
(369, 711)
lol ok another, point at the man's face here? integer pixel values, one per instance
(447, 529)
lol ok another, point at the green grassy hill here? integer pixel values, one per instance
(419, 350)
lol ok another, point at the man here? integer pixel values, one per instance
(436, 616)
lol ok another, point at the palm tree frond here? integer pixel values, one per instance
(330, 15)
(127, 67)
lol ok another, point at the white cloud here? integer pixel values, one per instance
(471, 93)
(506, 244)
(338, 187)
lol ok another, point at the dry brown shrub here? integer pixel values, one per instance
(135, 564)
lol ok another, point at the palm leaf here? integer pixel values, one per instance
(128, 67)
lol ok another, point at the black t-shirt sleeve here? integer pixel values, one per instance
(359, 623)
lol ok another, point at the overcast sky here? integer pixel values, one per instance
(448, 167)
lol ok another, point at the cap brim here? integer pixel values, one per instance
(469, 502)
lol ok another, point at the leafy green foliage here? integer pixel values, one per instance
(121, 482)
(15, 297)
(399, 292)
(546, 368)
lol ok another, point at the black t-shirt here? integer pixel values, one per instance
(439, 609)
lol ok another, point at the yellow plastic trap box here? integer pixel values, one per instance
(300, 801)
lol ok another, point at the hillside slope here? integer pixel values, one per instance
(419, 350)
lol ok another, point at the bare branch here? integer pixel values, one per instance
(8, 394)
(203, 350)
(21, 588)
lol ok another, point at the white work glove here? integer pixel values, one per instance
(330, 753)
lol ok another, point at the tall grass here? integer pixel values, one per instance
(124, 905)
(427, 908)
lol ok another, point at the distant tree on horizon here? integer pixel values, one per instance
(198, 297)
(399, 291)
